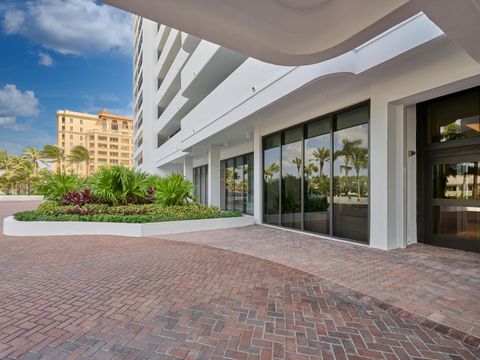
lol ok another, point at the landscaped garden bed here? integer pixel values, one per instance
(119, 195)
(50, 211)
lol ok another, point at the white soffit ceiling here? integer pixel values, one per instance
(299, 32)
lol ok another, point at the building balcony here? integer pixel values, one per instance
(206, 68)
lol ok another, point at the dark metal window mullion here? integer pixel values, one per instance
(280, 182)
(332, 176)
(243, 184)
(302, 181)
(234, 160)
(206, 184)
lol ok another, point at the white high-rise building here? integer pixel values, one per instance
(371, 137)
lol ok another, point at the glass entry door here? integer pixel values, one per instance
(453, 200)
(448, 149)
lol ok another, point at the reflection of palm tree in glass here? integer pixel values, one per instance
(309, 170)
(271, 170)
(322, 155)
(230, 176)
(347, 152)
(298, 163)
(359, 161)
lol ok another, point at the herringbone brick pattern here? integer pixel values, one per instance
(128, 298)
(441, 285)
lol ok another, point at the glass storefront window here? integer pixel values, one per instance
(222, 185)
(249, 183)
(317, 177)
(299, 187)
(454, 117)
(238, 178)
(237, 184)
(229, 185)
(271, 178)
(350, 175)
(200, 182)
(292, 173)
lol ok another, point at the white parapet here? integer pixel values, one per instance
(5, 198)
(14, 227)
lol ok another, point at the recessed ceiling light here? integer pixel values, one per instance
(302, 5)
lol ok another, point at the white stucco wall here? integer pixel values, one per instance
(406, 66)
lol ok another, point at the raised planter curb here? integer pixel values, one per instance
(13, 227)
(7, 198)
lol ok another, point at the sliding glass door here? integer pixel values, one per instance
(309, 167)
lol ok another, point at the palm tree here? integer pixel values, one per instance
(322, 155)
(55, 154)
(17, 176)
(298, 163)
(33, 156)
(359, 161)
(23, 169)
(4, 160)
(78, 155)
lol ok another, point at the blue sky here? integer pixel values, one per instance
(57, 54)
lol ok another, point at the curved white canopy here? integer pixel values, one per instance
(298, 32)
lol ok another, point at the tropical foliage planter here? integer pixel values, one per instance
(119, 201)
(119, 195)
(149, 213)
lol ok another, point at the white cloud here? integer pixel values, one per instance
(15, 103)
(13, 21)
(45, 59)
(11, 123)
(72, 27)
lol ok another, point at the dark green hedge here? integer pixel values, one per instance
(50, 211)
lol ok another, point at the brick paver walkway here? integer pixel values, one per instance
(99, 297)
(439, 284)
(442, 285)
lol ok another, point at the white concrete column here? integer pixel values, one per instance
(378, 171)
(188, 167)
(257, 177)
(397, 170)
(387, 175)
(411, 176)
(214, 176)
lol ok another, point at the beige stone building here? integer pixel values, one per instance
(108, 137)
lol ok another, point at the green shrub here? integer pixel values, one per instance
(119, 185)
(175, 189)
(55, 185)
(51, 211)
